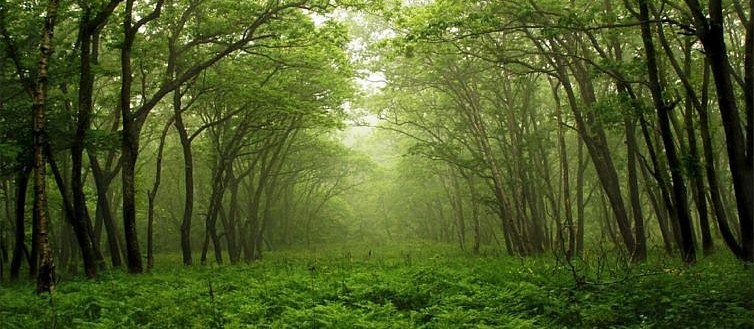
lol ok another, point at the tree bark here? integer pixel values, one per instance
(46, 272)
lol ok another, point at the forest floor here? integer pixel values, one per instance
(413, 286)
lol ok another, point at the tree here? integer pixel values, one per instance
(46, 273)
(711, 33)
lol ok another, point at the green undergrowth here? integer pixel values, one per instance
(409, 287)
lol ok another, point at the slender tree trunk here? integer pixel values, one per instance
(46, 273)
(711, 172)
(66, 241)
(103, 209)
(474, 212)
(660, 212)
(188, 177)
(231, 224)
(129, 146)
(680, 203)
(608, 221)
(132, 124)
(22, 183)
(86, 83)
(569, 226)
(640, 254)
(152, 193)
(697, 179)
(454, 196)
(205, 248)
(34, 254)
(596, 142)
(266, 214)
(219, 184)
(128, 176)
(3, 236)
(580, 200)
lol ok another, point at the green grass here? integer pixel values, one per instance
(404, 287)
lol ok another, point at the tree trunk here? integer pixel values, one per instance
(660, 212)
(22, 183)
(219, 184)
(454, 196)
(700, 104)
(474, 212)
(86, 83)
(128, 176)
(8, 205)
(129, 146)
(640, 254)
(46, 273)
(629, 123)
(712, 35)
(607, 221)
(580, 200)
(566, 189)
(66, 241)
(697, 179)
(680, 203)
(152, 193)
(596, 143)
(230, 219)
(102, 184)
(230, 222)
(188, 177)
(711, 172)
(592, 134)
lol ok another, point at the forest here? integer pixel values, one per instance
(376, 164)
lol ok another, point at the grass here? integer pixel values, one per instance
(404, 287)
